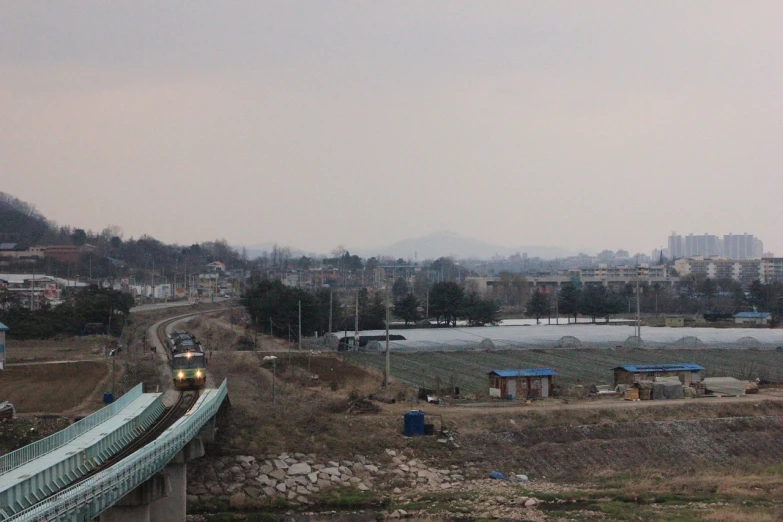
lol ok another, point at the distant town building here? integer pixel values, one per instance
(67, 253)
(742, 246)
(768, 270)
(706, 245)
(10, 251)
(731, 246)
(674, 321)
(32, 290)
(753, 318)
(216, 266)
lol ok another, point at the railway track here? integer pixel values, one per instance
(184, 402)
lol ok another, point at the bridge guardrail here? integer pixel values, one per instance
(88, 499)
(48, 444)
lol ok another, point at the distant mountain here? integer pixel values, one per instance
(257, 250)
(447, 243)
(432, 246)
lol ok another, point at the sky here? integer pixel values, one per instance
(579, 124)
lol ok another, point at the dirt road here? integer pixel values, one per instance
(555, 405)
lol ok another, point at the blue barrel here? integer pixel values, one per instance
(414, 423)
(108, 397)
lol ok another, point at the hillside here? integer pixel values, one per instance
(20, 222)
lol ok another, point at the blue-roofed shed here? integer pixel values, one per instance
(688, 373)
(3, 330)
(522, 383)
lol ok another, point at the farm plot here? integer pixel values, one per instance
(468, 370)
(51, 388)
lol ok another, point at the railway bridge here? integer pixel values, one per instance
(125, 462)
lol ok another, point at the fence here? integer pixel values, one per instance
(88, 499)
(48, 444)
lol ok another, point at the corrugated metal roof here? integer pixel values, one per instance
(524, 372)
(3, 327)
(663, 367)
(753, 315)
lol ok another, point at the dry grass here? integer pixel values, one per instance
(739, 514)
(51, 388)
(68, 349)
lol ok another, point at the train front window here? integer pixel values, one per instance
(189, 363)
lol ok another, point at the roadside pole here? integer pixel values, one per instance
(330, 310)
(388, 365)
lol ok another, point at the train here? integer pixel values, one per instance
(188, 361)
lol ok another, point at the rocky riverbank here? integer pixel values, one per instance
(404, 486)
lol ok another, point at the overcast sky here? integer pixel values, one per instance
(578, 124)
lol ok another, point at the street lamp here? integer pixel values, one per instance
(274, 367)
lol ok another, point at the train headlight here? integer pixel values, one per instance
(198, 373)
(181, 375)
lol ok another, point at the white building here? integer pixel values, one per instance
(768, 270)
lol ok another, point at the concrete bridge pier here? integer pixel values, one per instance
(163, 498)
(135, 506)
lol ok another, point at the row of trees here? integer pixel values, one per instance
(93, 305)
(271, 304)
(695, 296)
(591, 301)
(448, 302)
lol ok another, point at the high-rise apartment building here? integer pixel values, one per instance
(705, 245)
(732, 246)
(742, 246)
(676, 246)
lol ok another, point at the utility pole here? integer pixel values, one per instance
(427, 310)
(330, 310)
(638, 317)
(388, 366)
(356, 325)
(300, 325)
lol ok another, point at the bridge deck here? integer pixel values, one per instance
(37, 479)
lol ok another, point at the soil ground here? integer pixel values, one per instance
(701, 459)
(65, 386)
(65, 349)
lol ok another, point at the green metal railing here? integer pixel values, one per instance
(48, 444)
(90, 498)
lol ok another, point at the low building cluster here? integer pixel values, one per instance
(631, 381)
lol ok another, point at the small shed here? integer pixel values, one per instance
(674, 321)
(630, 374)
(522, 383)
(753, 318)
(3, 330)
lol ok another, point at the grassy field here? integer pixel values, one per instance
(468, 370)
(66, 385)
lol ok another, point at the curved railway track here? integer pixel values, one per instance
(184, 402)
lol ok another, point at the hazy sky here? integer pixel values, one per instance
(601, 124)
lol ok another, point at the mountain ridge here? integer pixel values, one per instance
(432, 246)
